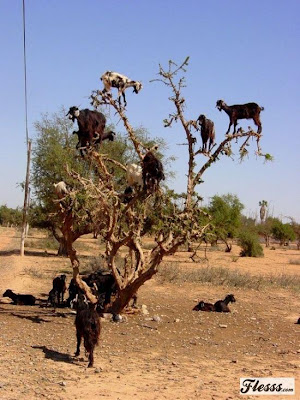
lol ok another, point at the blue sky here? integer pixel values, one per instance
(240, 51)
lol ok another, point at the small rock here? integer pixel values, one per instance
(156, 318)
(222, 326)
(177, 320)
(63, 383)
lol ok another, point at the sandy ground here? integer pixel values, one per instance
(185, 355)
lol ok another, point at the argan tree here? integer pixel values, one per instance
(122, 224)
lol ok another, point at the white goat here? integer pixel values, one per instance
(134, 175)
(60, 189)
(121, 82)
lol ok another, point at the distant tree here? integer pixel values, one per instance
(282, 232)
(265, 229)
(263, 209)
(296, 229)
(249, 243)
(10, 216)
(226, 217)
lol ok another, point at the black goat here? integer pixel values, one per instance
(20, 299)
(241, 111)
(202, 306)
(153, 171)
(87, 327)
(222, 305)
(56, 294)
(103, 282)
(207, 132)
(91, 125)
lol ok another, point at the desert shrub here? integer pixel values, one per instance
(249, 242)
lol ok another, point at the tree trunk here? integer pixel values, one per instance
(63, 248)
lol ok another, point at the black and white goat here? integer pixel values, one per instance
(207, 132)
(222, 305)
(121, 82)
(241, 111)
(87, 327)
(91, 125)
(20, 299)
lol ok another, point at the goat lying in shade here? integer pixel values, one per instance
(241, 111)
(87, 327)
(20, 299)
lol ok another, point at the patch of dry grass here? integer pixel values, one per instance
(169, 272)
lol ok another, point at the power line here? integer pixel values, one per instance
(25, 72)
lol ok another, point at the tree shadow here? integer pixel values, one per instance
(55, 355)
(33, 318)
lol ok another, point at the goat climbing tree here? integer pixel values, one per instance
(121, 224)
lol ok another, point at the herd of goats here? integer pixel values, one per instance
(87, 321)
(91, 132)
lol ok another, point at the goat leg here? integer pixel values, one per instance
(91, 358)
(78, 344)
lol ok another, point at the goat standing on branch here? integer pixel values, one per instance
(241, 111)
(207, 132)
(91, 126)
(121, 82)
(153, 172)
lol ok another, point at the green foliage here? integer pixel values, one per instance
(10, 216)
(282, 232)
(226, 216)
(249, 242)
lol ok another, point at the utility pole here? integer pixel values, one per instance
(28, 142)
(25, 208)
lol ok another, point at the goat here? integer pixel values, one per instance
(241, 111)
(91, 125)
(207, 132)
(56, 294)
(121, 82)
(202, 306)
(222, 305)
(60, 189)
(20, 299)
(153, 171)
(134, 175)
(87, 327)
(105, 285)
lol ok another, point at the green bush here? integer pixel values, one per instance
(249, 242)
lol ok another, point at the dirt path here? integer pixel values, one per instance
(183, 355)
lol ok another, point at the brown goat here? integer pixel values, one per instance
(241, 111)
(91, 126)
(207, 132)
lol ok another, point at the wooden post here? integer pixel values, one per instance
(24, 222)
